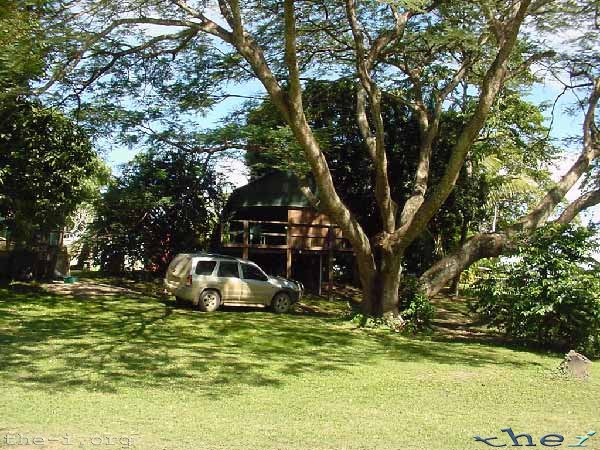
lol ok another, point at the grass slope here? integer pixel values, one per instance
(104, 368)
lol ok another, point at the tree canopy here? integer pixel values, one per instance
(22, 46)
(47, 168)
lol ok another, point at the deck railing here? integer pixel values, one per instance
(282, 235)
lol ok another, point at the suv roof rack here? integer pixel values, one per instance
(216, 255)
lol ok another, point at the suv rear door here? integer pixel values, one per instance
(178, 271)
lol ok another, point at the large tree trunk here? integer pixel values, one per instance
(390, 273)
(380, 292)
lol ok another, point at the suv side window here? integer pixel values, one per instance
(228, 269)
(205, 267)
(252, 273)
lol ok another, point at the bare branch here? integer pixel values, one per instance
(483, 245)
(188, 9)
(363, 122)
(388, 37)
(589, 124)
(428, 128)
(525, 65)
(235, 20)
(362, 65)
(453, 83)
(291, 58)
(495, 25)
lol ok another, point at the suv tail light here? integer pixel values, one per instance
(188, 282)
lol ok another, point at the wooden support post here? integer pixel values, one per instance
(331, 237)
(320, 273)
(246, 240)
(288, 261)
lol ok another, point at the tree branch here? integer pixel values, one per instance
(585, 201)
(363, 122)
(375, 143)
(187, 35)
(206, 149)
(488, 245)
(428, 130)
(291, 106)
(291, 58)
(480, 246)
(206, 26)
(188, 9)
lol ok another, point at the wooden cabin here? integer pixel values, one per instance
(269, 221)
(44, 257)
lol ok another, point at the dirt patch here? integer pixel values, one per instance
(88, 289)
(454, 321)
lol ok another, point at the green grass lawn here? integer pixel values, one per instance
(99, 369)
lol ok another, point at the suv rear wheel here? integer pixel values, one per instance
(281, 303)
(209, 301)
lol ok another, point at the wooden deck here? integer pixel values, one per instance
(282, 237)
(279, 235)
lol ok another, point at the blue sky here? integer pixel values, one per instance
(209, 120)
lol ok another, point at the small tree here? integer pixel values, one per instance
(47, 168)
(550, 295)
(162, 204)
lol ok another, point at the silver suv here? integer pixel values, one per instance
(209, 280)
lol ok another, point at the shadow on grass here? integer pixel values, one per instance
(108, 343)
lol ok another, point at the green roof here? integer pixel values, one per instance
(273, 189)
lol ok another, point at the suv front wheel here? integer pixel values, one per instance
(209, 301)
(281, 303)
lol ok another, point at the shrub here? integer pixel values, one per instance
(549, 294)
(415, 307)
